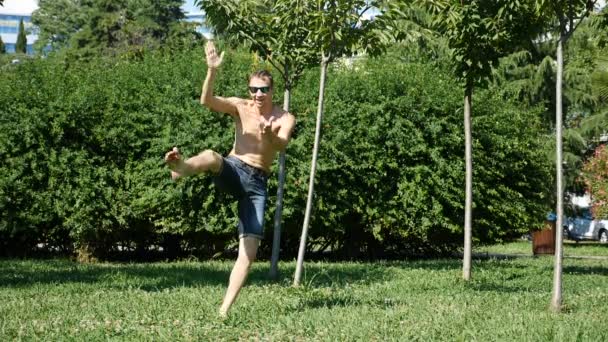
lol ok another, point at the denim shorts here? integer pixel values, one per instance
(248, 185)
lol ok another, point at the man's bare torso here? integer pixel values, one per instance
(249, 144)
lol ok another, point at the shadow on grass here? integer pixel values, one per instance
(160, 276)
(502, 287)
(148, 277)
(585, 244)
(586, 270)
(341, 300)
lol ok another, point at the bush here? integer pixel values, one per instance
(391, 166)
(82, 146)
(595, 176)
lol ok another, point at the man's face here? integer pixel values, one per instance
(260, 91)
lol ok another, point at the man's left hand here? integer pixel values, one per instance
(266, 126)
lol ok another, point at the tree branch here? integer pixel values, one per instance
(580, 20)
(281, 70)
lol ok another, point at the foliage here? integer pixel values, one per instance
(2, 47)
(273, 30)
(291, 34)
(127, 27)
(21, 44)
(82, 150)
(529, 77)
(82, 146)
(565, 15)
(595, 176)
(400, 145)
(480, 32)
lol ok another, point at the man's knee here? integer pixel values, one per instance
(209, 161)
(245, 261)
(248, 250)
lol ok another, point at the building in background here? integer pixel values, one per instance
(10, 14)
(9, 28)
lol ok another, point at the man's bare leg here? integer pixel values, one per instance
(248, 248)
(206, 161)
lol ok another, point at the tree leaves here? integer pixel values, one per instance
(127, 27)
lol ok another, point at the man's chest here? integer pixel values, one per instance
(248, 122)
(251, 121)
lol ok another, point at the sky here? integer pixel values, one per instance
(28, 6)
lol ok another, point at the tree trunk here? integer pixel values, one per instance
(466, 263)
(313, 168)
(276, 240)
(556, 301)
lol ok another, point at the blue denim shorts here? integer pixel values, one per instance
(248, 185)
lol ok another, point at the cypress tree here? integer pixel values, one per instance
(21, 45)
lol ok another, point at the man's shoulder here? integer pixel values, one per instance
(282, 113)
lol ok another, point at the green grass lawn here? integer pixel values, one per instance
(507, 300)
(571, 248)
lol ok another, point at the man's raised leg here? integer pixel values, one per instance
(248, 248)
(206, 161)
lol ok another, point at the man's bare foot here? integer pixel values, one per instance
(175, 175)
(173, 159)
(223, 314)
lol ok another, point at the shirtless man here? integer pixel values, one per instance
(262, 129)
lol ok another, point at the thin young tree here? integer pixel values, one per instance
(479, 33)
(338, 30)
(566, 16)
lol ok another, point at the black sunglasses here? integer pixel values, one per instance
(254, 90)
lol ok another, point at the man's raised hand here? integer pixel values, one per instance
(213, 60)
(266, 125)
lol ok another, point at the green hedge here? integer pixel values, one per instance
(81, 146)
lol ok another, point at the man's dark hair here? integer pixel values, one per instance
(263, 74)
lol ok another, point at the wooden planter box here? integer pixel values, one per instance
(543, 241)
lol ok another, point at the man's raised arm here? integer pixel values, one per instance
(215, 103)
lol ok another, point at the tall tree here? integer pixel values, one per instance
(21, 45)
(529, 76)
(107, 27)
(58, 20)
(566, 16)
(2, 47)
(479, 33)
